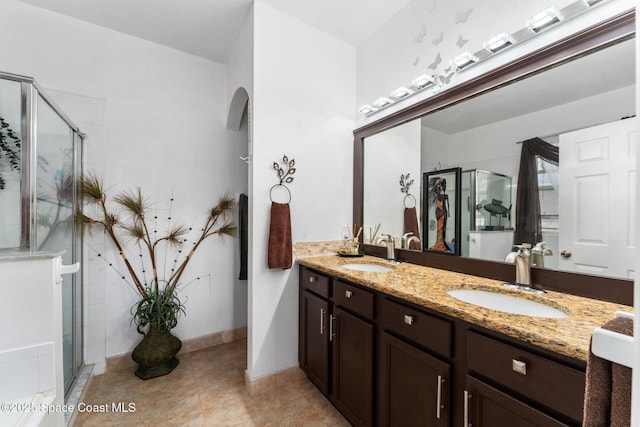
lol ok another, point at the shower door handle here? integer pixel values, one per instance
(69, 269)
(60, 269)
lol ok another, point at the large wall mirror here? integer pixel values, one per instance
(580, 103)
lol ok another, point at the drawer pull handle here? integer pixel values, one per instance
(439, 404)
(408, 319)
(312, 279)
(467, 397)
(322, 328)
(348, 294)
(519, 366)
(331, 334)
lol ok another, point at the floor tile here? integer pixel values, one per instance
(206, 389)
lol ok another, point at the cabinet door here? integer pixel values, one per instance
(352, 367)
(486, 406)
(314, 340)
(413, 386)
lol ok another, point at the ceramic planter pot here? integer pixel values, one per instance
(156, 353)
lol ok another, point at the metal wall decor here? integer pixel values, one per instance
(404, 188)
(285, 176)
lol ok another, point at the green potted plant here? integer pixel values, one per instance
(159, 306)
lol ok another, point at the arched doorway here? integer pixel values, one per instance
(239, 120)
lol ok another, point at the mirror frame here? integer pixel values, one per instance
(592, 39)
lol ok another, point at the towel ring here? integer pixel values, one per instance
(283, 186)
(410, 196)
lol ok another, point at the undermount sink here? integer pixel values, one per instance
(370, 268)
(506, 303)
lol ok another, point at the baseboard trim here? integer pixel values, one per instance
(271, 381)
(124, 361)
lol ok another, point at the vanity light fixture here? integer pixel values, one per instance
(495, 44)
(401, 92)
(382, 102)
(422, 81)
(464, 60)
(499, 42)
(544, 19)
(367, 109)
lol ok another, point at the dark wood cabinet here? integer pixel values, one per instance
(385, 361)
(353, 367)
(413, 386)
(336, 343)
(529, 376)
(486, 406)
(314, 339)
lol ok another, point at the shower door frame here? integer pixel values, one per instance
(30, 91)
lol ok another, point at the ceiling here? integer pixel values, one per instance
(209, 28)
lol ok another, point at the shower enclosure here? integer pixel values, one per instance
(486, 215)
(40, 159)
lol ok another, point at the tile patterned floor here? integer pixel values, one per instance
(206, 389)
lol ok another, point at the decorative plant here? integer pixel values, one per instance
(159, 304)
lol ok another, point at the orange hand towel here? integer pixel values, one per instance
(279, 250)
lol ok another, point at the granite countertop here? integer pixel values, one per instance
(428, 287)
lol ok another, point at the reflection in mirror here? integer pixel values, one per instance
(486, 199)
(388, 157)
(587, 202)
(442, 197)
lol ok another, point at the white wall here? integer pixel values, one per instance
(389, 155)
(164, 114)
(304, 86)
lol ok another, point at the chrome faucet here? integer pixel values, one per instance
(390, 243)
(407, 238)
(523, 269)
(521, 257)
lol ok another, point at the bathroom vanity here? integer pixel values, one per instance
(390, 346)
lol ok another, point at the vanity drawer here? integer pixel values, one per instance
(356, 299)
(554, 385)
(315, 282)
(422, 328)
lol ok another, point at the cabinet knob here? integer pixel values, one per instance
(408, 319)
(312, 279)
(348, 294)
(519, 366)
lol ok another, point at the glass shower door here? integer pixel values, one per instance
(57, 166)
(10, 164)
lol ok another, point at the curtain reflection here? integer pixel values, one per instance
(528, 223)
